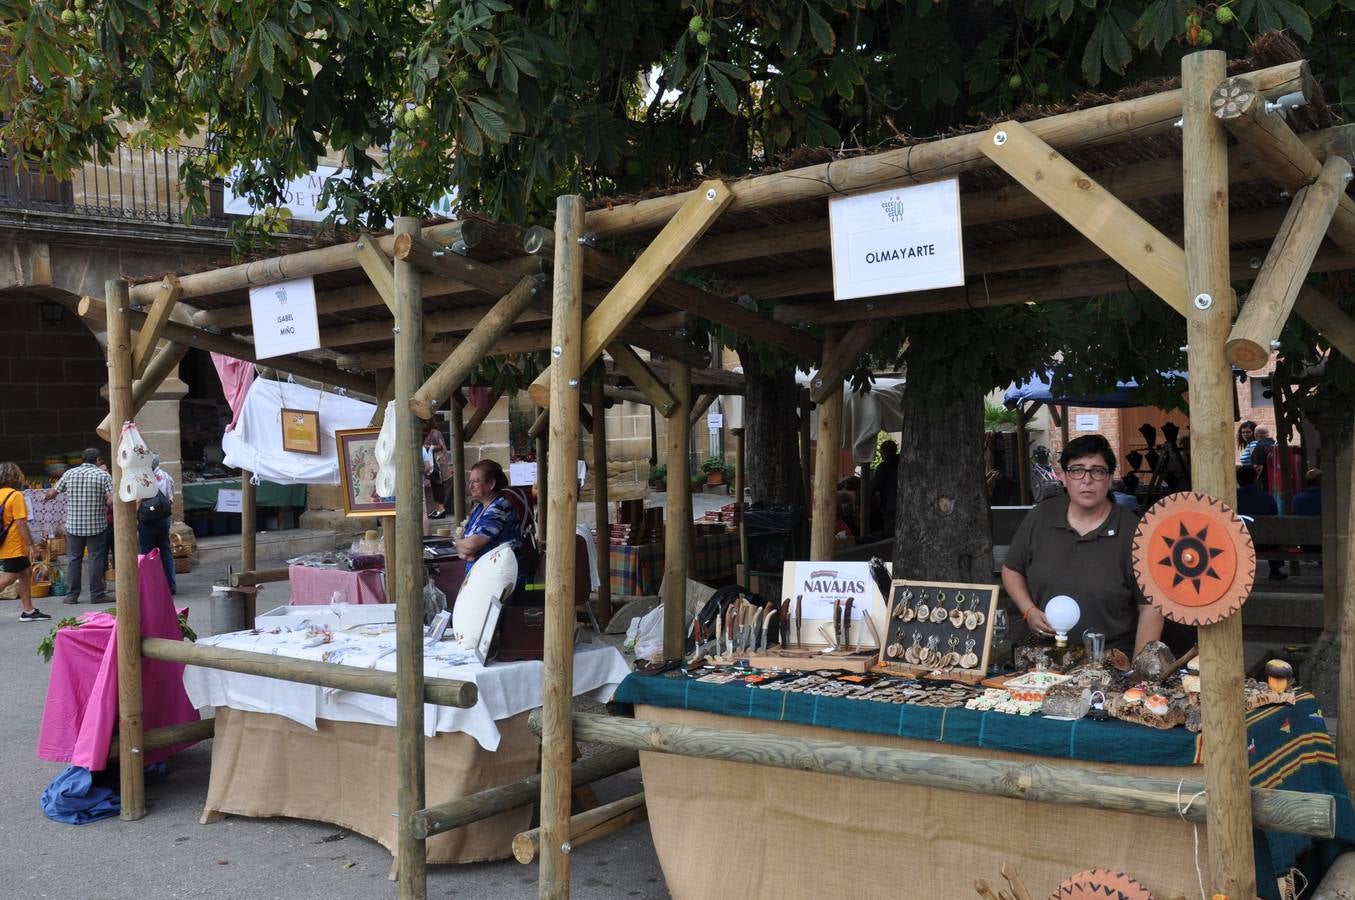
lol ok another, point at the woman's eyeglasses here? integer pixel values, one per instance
(1095, 473)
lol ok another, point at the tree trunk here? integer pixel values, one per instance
(942, 533)
(770, 416)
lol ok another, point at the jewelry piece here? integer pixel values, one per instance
(894, 650)
(914, 653)
(930, 653)
(905, 610)
(939, 608)
(957, 614)
(923, 610)
(949, 660)
(981, 616)
(970, 660)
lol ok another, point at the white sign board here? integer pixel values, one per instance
(301, 196)
(230, 501)
(1087, 422)
(818, 584)
(284, 318)
(899, 240)
(522, 474)
(715, 421)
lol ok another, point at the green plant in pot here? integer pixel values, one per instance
(715, 469)
(658, 477)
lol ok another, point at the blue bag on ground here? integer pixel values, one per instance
(72, 798)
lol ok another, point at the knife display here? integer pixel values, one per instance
(837, 624)
(847, 623)
(785, 623)
(799, 631)
(767, 618)
(870, 626)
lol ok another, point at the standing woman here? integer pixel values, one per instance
(492, 521)
(1246, 434)
(438, 469)
(16, 541)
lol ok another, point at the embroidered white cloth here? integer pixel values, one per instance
(506, 689)
(255, 444)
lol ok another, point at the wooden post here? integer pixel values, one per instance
(587, 826)
(677, 518)
(249, 545)
(1345, 703)
(740, 483)
(163, 362)
(1333, 601)
(132, 781)
(600, 503)
(1022, 453)
(1232, 869)
(863, 501)
(806, 461)
(457, 428)
(408, 574)
(557, 741)
(823, 508)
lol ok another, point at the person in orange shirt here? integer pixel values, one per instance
(16, 542)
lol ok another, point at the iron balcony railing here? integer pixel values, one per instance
(137, 185)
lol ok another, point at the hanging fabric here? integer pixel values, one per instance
(256, 442)
(236, 377)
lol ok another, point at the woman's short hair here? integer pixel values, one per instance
(493, 471)
(11, 476)
(1088, 445)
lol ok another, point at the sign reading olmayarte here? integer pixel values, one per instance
(899, 240)
(284, 318)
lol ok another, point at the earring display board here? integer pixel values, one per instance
(939, 629)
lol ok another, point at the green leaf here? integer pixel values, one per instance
(700, 99)
(1156, 26)
(489, 121)
(820, 29)
(724, 91)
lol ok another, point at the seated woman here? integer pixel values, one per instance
(492, 521)
(1079, 545)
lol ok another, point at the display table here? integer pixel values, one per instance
(201, 495)
(288, 749)
(637, 569)
(860, 830)
(313, 586)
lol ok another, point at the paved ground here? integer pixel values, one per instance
(169, 855)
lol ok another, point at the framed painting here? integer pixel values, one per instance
(357, 473)
(301, 430)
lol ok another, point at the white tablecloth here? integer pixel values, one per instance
(506, 689)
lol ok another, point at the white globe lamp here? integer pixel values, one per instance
(1063, 614)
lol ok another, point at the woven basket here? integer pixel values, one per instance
(40, 589)
(183, 565)
(56, 545)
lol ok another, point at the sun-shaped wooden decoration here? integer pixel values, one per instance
(1193, 558)
(1101, 884)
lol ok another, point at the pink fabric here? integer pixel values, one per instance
(312, 586)
(236, 377)
(81, 712)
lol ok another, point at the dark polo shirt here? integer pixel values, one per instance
(1094, 569)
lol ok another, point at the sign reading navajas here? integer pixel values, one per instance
(819, 584)
(895, 241)
(284, 318)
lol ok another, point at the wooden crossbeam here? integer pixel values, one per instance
(605, 267)
(1331, 321)
(156, 317)
(656, 263)
(1282, 274)
(1102, 218)
(379, 268)
(655, 391)
(469, 353)
(845, 356)
(699, 407)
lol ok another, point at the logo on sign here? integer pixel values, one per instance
(893, 208)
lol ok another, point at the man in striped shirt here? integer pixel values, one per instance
(88, 490)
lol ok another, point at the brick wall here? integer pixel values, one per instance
(50, 379)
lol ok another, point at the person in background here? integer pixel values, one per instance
(1308, 502)
(1252, 501)
(845, 527)
(16, 541)
(1120, 493)
(108, 519)
(1246, 434)
(153, 519)
(437, 469)
(492, 521)
(1080, 545)
(1261, 448)
(884, 491)
(89, 491)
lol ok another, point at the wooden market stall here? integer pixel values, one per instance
(1145, 191)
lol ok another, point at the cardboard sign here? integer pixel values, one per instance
(230, 501)
(895, 241)
(1087, 422)
(715, 421)
(522, 474)
(284, 318)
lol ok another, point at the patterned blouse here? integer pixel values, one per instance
(498, 522)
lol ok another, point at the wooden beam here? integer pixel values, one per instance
(1345, 747)
(1232, 869)
(407, 575)
(610, 269)
(443, 322)
(379, 268)
(1331, 321)
(457, 428)
(823, 505)
(169, 735)
(845, 356)
(481, 413)
(587, 826)
(1290, 812)
(156, 318)
(472, 351)
(656, 392)
(249, 536)
(131, 780)
(677, 514)
(162, 364)
(523, 341)
(601, 508)
(1282, 274)
(699, 408)
(1101, 217)
(654, 264)
(93, 310)
(561, 477)
(1140, 117)
(499, 799)
(256, 577)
